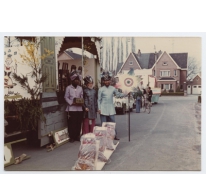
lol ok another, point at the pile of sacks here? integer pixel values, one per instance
(93, 146)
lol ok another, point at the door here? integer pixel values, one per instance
(188, 89)
(196, 89)
(49, 64)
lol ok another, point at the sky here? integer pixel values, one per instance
(190, 45)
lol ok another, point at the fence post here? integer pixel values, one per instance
(199, 99)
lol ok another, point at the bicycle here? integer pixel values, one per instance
(146, 106)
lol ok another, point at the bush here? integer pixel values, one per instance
(173, 94)
(171, 90)
(28, 113)
(178, 89)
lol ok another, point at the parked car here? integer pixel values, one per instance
(122, 105)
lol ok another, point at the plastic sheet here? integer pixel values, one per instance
(101, 135)
(110, 134)
(88, 153)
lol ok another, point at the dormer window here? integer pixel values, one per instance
(164, 64)
(131, 63)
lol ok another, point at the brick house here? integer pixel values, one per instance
(194, 85)
(170, 69)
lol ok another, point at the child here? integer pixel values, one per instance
(90, 106)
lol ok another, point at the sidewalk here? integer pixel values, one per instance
(60, 159)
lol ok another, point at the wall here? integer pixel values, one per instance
(170, 66)
(14, 64)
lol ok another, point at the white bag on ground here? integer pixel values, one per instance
(101, 135)
(88, 153)
(110, 134)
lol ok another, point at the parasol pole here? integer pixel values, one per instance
(82, 57)
(129, 116)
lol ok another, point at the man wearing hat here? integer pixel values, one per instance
(105, 99)
(74, 110)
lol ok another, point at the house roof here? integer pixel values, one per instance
(180, 59)
(147, 60)
(73, 55)
(166, 78)
(119, 65)
(143, 60)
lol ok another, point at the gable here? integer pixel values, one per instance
(197, 78)
(131, 62)
(64, 56)
(165, 61)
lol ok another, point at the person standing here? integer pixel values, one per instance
(149, 93)
(106, 107)
(138, 97)
(90, 106)
(75, 111)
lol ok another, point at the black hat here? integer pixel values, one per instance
(106, 76)
(88, 79)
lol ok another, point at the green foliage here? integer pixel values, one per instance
(28, 112)
(32, 59)
(171, 90)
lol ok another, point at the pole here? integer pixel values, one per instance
(82, 57)
(129, 116)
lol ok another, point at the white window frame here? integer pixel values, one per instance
(161, 71)
(130, 63)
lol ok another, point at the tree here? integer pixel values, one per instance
(10, 41)
(118, 56)
(33, 60)
(133, 44)
(112, 53)
(192, 68)
(126, 47)
(122, 51)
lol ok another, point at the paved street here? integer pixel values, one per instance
(168, 138)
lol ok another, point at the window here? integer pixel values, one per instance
(166, 86)
(194, 86)
(165, 73)
(199, 86)
(181, 86)
(188, 86)
(164, 64)
(175, 72)
(154, 73)
(162, 86)
(170, 86)
(131, 63)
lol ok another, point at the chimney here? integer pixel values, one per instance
(155, 54)
(139, 53)
(159, 53)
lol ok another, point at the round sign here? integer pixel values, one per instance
(128, 82)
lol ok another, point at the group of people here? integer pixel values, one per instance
(145, 94)
(81, 117)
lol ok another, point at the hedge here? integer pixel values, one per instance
(172, 94)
